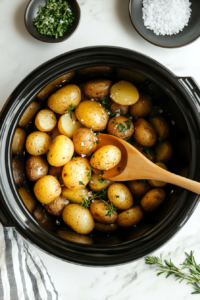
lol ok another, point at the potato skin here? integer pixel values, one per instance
(142, 107)
(97, 88)
(57, 206)
(120, 196)
(164, 151)
(45, 120)
(54, 133)
(68, 124)
(138, 188)
(84, 141)
(146, 151)
(29, 113)
(124, 92)
(18, 141)
(105, 227)
(161, 127)
(73, 236)
(61, 100)
(157, 183)
(144, 133)
(130, 217)
(114, 127)
(118, 108)
(37, 143)
(78, 218)
(27, 198)
(60, 151)
(43, 218)
(98, 209)
(36, 167)
(47, 189)
(18, 171)
(92, 115)
(98, 184)
(153, 199)
(55, 171)
(105, 158)
(76, 173)
(75, 195)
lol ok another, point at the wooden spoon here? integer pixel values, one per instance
(135, 166)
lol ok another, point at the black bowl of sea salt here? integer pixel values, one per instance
(167, 24)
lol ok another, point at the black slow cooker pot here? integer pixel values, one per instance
(178, 98)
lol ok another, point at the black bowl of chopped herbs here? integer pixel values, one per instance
(52, 21)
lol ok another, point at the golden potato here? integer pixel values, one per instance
(103, 212)
(68, 124)
(18, 170)
(146, 151)
(106, 158)
(164, 151)
(120, 196)
(144, 133)
(138, 188)
(121, 127)
(76, 173)
(124, 92)
(142, 107)
(29, 113)
(98, 183)
(66, 98)
(56, 207)
(18, 141)
(36, 167)
(157, 183)
(27, 198)
(37, 143)
(130, 217)
(78, 218)
(47, 189)
(97, 88)
(105, 227)
(153, 199)
(75, 195)
(54, 133)
(118, 108)
(72, 236)
(45, 120)
(60, 151)
(85, 141)
(92, 115)
(161, 127)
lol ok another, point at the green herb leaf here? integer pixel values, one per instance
(81, 182)
(85, 203)
(145, 150)
(101, 180)
(100, 172)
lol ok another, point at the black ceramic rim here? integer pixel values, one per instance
(10, 201)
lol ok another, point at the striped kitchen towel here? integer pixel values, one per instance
(22, 273)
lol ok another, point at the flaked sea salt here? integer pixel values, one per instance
(166, 17)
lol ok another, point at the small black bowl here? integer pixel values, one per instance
(31, 13)
(189, 34)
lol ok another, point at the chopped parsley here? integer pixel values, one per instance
(71, 107)
(73, 158)
(96, 142)
(53, 118)
(128, 139)
(100, 172)
(85, 203)
(116, 196)
(101, 180)
(81, 182)
(122, 127)
(127, 212)
(145, 150)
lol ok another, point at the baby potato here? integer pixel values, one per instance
(130, 217)
(75, 195)
(144, 133)
(29, 113)
(121, 127)
(146, 151)
(78, 218)
(18, 141)
(157, 183)
(37, 143)
(27, 198)
(97, 88)
(36, 167)
(55, 171)
(68, 124)
(72, 236)
(118, 108)
(55, 132)
(164, 151)
(92, 115)
(60, 151)
(45, 120)
(106, 158)
(47, 189)
(142, 107)
(85, 142)
(124, 92)
(76, 173)
(138, 188)
(153, 199)
(56, 207)
(120, 196)
(43, 218)
(100, 212)
(161, 127)
(18, 171)
(105, 227)
(65, 98)
(98, 183)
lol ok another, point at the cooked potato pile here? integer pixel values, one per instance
(63, 149)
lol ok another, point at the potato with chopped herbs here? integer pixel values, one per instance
(105, 227)
(148, 152)
(144, 133)
(37, 143)
(158, 183)
(130, 217)
(164, 151)
(47, 189)
(36, 167)
(97, 88)
(68, 124)
(92, 115)
(106, 158)
(103, 212)
(118, 108)
(121, 127)
(76, 196)
(57, 206)
(98, 183)
(153, 199)
(45, 120)
(124, 93)
(29, 114)
(85, 141)
(18, 141)
(27, 198)
(138, 188)
(161, 127)
(120, 196)
(142, 107)
(78, 218)
(72, 236)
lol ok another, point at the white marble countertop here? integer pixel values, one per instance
(103, 22)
